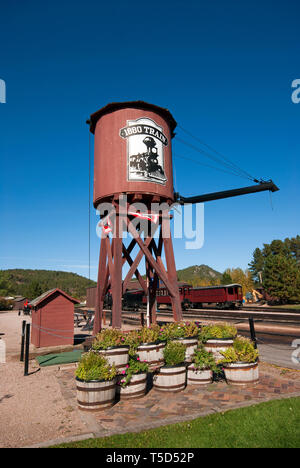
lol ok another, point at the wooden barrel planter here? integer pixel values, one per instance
(170, 379)
(152, 353)
(218, 344)
(117, 355)
(191, 345)
(136, 388)
(95, 395)
(241, 373)
(199, 377)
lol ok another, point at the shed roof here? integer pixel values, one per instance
(38, 300)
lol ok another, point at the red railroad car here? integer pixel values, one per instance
(223, 296)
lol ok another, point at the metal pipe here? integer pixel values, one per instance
(23, 341)
(263, 186)
(27, 342)
(252, 332)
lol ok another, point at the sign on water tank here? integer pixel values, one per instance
(2, 352)
(145, 150)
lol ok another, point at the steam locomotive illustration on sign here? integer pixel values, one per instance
(146, 165)
(146, 144)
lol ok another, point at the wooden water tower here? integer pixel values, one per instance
(133, 164)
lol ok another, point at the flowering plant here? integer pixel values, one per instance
(93, 366)
(108, 338)
(203, 359)
(191, 329)
(135, 366)
(133, 339)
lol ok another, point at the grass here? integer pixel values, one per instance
(288, 306)
(275, 424)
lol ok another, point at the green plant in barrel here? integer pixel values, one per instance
(171, 377)
(173, 330)
(109, 338)
(217, 332)
(93, 366)
(134, 366)
(177, 330)
(174, 353)
(203, 360)
(242, 350)
(150, 334)
(133, 339)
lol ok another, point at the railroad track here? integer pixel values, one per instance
(266, 316)
(230, 315)
(271, 309)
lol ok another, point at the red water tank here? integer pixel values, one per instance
(133, 151)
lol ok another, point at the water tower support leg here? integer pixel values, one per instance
(116, 276)
(171, 267)
(99, 294)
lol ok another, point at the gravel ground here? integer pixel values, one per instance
(38, 407)
(33, 408)
(11, 325)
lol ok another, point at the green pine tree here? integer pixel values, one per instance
(226, 278)
(34, 290)
(281, 277)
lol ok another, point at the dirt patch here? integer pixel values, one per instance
(276, 371)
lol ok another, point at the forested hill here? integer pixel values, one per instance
(199, 275)
(32, 283)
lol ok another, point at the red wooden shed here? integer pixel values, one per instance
(53, 319)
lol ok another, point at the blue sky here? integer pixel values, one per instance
(224, 70)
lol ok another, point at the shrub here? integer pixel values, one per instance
(242, 351)
(135, 366)
(150, 334)
(223, 331)
(175, 330)
(5, 304)
(108, 338)
(174, 353)
(93, 366)
(203, 359)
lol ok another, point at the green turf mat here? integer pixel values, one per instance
(59, 358)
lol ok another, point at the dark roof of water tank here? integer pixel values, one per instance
(113, 106)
